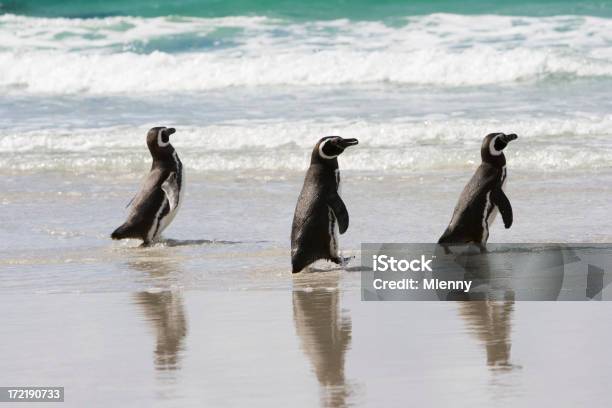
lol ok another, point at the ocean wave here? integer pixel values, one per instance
(544, 145)
(159, 72)
(119, 55)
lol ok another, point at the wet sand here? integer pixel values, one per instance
(315, 344)
(213, 316)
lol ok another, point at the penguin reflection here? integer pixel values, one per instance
(165, 311)
(490, 321)
(325, 334)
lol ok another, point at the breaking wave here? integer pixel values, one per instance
(120, 55)
(544, 145)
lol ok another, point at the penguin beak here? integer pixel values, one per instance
(508, 138)
(170, 131)
(344, 143)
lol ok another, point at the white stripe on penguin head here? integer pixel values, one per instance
(322, 154)
(492, 149)
(160, 142)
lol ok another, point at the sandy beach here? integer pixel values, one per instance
(213, 316)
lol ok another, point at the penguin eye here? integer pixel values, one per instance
(499, 144)
(328, 149)
(163, 138)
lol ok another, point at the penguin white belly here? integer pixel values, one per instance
(334, 241)
(159, 226)
(166, 220)
(487, 220)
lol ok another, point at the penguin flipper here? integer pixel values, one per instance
(171, 189)
(337, 205)
(500, 199)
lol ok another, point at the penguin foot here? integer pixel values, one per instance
(342, 261)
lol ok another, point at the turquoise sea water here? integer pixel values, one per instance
(316, 9)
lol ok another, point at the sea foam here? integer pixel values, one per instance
(119, 55)
(543, 145)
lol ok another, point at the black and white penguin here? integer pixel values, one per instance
(157, 202)
(320, 213)
(482, 197)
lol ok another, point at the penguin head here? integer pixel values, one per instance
(158, 141)
(493, 145)
(329, 148)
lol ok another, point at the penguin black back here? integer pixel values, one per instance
(320, 209)
(156, 204)
(482, 197)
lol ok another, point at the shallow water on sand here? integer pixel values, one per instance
(233, 233)
(212, 316)
(314, 343)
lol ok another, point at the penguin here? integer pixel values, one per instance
(157, 202)
(482, 197)
(320, 213)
